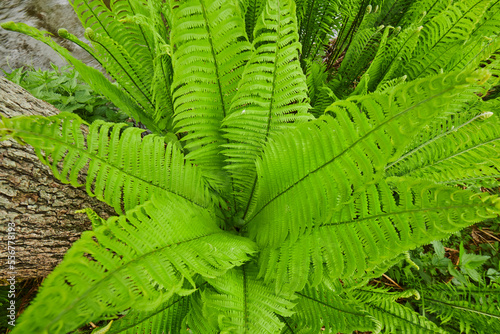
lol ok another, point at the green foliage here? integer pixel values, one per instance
(139, 259)
(65, 90)
(464, 309)
(395, 317)
(5, 303)
(107, 158)
(276, 186)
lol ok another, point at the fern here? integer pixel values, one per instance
(320, 94)
(392, 12)
(166, 318)
(139, 260)
(351, 14)
(385, 217)
(393, 53)
(442, 37)
(89, 74)
(317, 20)
(111, 152)
(131, 55)
(473, 309)
(360, 52)
(243, 304)
(362, 135)
(394, 317)
(253, 12)
(263, 106)
(210, 52)
(424, 10)
(243, 212)
(321, 307)
(463, 162)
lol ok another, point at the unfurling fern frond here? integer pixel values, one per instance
(135, 261)
(272, 95)
(124, 169)
(210, 50)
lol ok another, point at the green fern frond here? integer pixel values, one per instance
(153, 25)
(350, 151)
(444, 35)
(393, 53)
(319, 309)
(131, 55)
(351, 15)
(125, 68)
(464, 309)
(461, 149)
(394, 317)
(240, 303)
(139, 260)
(349, 283)
(94, 218)
(94, 14)
(210, 50)
(320, 95)
(249, 215)
(271, 95)
(253, 12)
(167, 318)
(136, 39)
(480, 52)
(481, 45)
(316, 20)
(361, 52)
(392, 12)
(489, 24)
(380, 223)
(423, 11)
(196, 320)
(124, 169)
(93, 77)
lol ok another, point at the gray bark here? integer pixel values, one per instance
(41, 207)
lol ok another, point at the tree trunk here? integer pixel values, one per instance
(41, 208)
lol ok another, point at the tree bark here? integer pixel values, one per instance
(41, 208)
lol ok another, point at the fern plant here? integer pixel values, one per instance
(275, 186)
